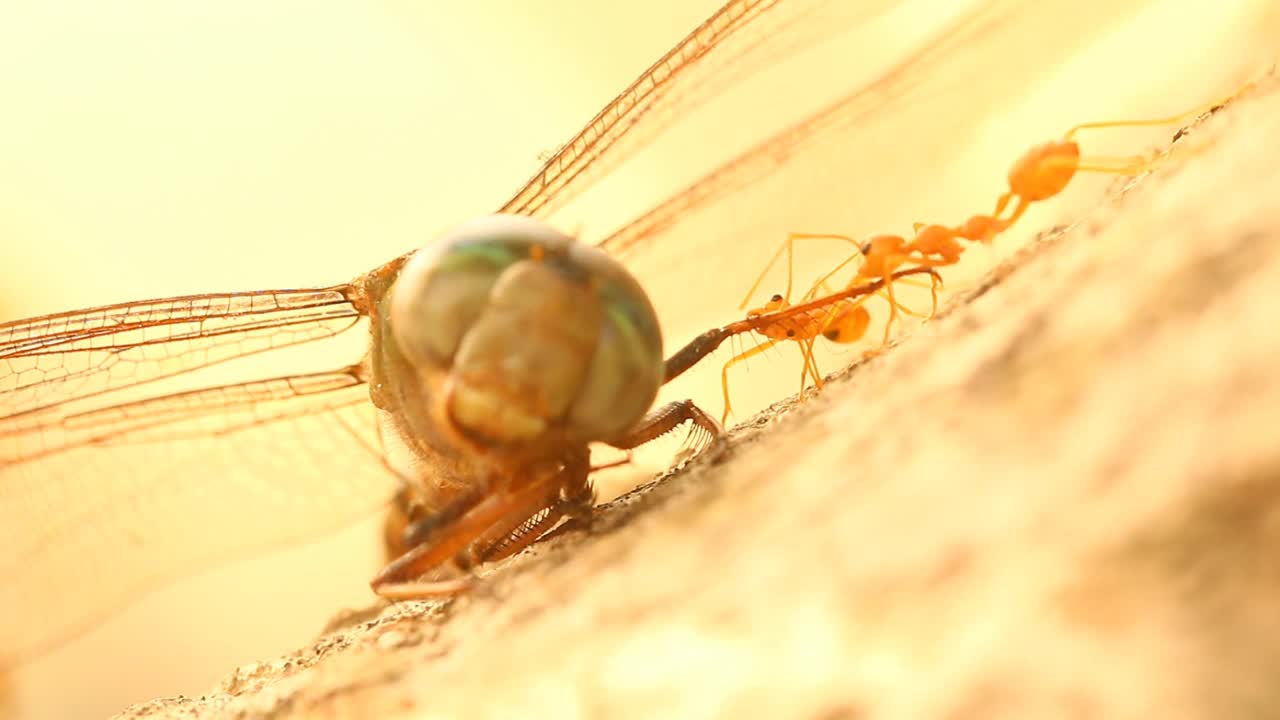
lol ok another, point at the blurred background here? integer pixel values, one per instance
(153, 149)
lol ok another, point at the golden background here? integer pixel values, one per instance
(152, 149)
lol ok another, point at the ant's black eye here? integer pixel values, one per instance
(791, 333)
(776, 298)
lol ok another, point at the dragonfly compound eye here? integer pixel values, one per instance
(534, 332)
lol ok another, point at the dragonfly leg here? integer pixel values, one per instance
(668, 418)
(576, 503)
(402, 514)
(445, 546)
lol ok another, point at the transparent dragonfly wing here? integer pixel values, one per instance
(594, 149)
(111, 480)
(55, 360)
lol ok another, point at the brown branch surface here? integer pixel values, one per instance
(1059, 499)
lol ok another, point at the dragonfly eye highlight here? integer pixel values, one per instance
(443, 289)
(627, 368)
(531, 332)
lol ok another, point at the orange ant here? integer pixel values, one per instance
(1041, 173)
(841, 320)
(825, 312)
(1045, 170)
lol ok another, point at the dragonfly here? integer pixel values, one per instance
(127, 471)
(129, 468)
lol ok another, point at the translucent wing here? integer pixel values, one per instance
(111, 481)
(655, 93)
(51, 362)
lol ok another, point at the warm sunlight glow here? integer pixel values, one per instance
(161, 148)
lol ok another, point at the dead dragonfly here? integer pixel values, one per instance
(114, 478)
(496, 356)
(115, 475)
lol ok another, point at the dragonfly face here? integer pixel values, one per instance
(516, 338)
(505, 345)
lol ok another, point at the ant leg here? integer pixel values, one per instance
(810, 364)
(1137, 164)
(1197, 111)
(918, 283)
(724, 373)
(912, 313)
(785, 246)
(1130, 164)
(822, 281)
(895, 307)
(810, 367)
(893, 311)
(821, 236)
(934, 282)
(789, 247)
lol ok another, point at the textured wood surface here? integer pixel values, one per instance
(1059, 499)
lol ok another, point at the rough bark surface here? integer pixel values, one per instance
(1060, 498)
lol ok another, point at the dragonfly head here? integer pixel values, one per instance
(527, 334)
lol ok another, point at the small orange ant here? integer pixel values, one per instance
(1041, 173)
(1045, 170)
(842, 320)
(825, 312)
